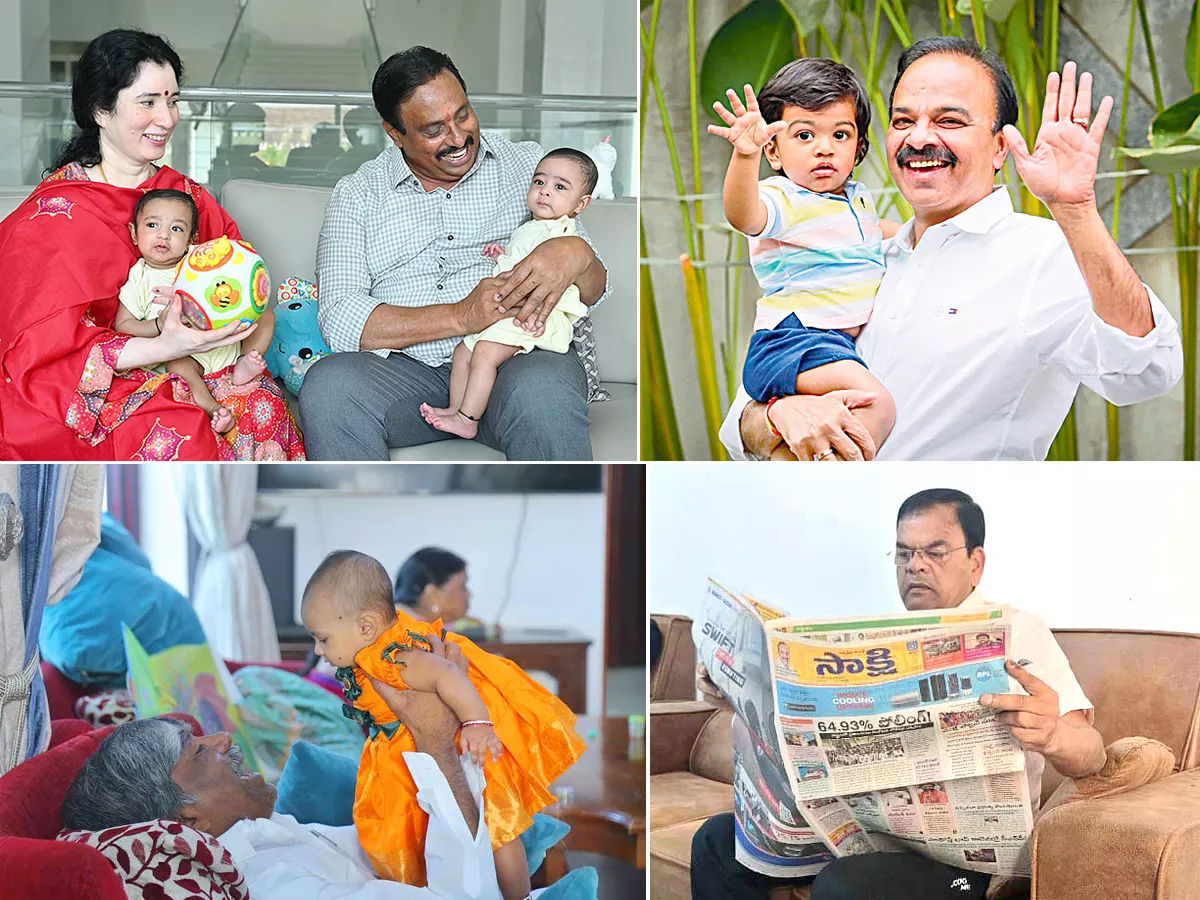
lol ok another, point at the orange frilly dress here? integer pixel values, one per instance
(535, 727)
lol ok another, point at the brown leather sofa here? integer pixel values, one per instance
(1131, 832)
(675, 676)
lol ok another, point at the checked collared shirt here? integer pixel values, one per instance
(385, 239)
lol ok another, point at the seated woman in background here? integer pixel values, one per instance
(70, 386)
(432, 583)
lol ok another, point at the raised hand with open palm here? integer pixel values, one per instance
(747, 131)
(1061, 168)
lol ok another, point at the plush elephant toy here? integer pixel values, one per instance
(297, 342)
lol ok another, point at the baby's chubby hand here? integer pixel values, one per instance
(747, 131)
(479, 741)
(493, 251)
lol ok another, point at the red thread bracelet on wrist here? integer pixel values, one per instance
(767, 416)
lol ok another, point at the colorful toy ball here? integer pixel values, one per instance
(222, 281)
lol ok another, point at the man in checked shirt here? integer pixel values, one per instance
(402, 278)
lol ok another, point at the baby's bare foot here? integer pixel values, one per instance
(222, 420)
(429, 413)
(455, 423)
(248, 368)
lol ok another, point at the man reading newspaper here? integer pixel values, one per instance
(939, 561)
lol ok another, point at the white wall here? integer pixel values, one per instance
(1084, 545)
(559, 576)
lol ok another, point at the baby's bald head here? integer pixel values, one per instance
(346, 602)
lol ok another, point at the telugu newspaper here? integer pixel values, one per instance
(865, 734)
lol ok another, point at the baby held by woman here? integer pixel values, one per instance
(163, 228)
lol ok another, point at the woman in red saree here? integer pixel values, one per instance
(71, 387)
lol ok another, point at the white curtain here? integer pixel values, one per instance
(229, 596)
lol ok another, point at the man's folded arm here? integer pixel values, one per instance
(593, 283)
(349, 317)
(745, 435)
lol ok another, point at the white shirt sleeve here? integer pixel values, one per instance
(1033, 640)
(1063, 324)
(731, 429)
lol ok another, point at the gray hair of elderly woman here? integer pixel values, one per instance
(128, 778)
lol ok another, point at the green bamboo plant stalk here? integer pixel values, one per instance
(1113, 418)
(659, 424)
(694, 111)
(1184, 266)
(706, 364)
(978, 23)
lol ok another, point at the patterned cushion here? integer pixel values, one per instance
(106, 708)
(166, 860)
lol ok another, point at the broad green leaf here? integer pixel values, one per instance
(996, 10)
(1179, 123)
(807, 13)
(1166, 161)
(748, 49)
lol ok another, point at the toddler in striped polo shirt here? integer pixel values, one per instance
(815, 238)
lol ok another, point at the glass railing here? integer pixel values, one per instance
(310, 137)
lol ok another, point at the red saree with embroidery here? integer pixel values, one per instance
(64, 254)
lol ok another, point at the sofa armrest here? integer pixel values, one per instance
(675, 676)
(1135, 845)
(35, 869)
(674, 727)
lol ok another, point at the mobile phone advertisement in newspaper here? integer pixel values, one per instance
(879, 727)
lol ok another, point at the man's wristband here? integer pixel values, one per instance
(767, 416)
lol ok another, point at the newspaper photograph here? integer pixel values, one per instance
(878, 729)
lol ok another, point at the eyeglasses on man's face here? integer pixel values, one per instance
(936, 555)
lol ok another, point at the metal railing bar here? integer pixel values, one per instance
(545, 102)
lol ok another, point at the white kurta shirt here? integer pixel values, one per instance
(284, 860)
(983, 333)
(1033, 641)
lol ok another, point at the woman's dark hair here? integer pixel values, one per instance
(109, 64)
(399, 76)
(168, 194)
(429, 565)
(813, 83)
(1002, 83)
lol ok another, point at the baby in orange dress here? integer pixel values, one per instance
(521, 735)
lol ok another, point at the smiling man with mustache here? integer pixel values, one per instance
(987, 321)
(403, 278)
(939, 562)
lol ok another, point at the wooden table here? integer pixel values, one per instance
(558, 651)
(607, 812)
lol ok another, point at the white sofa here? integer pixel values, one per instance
(282, 221)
